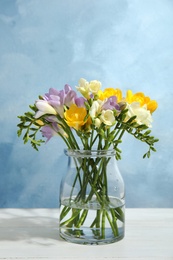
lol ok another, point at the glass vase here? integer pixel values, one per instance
(92, 198)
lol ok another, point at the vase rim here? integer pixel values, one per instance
(89, 153)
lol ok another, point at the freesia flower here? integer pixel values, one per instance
(97, 122)
(59, 99)
(80, 101)
(111, 103)
(152, 105)
(103, 111)
(142, 99)
(52, 119)
(83, 88)
(44, 108)
(108, 92)
(39, 122)
(95, 109)
(86, 88)
(94, 86)
(52, 92)
(107, 117)
(69, 96)
(143, 116)
(75, 116)
(49, 131)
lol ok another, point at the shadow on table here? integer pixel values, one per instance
(33, 229)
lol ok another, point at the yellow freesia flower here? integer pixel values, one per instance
(75, 116)
(108, 92)
(142, 99)
(152, 105)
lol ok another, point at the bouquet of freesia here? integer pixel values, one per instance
(97, 119)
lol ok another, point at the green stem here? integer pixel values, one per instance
(64, 212)
(74, 215)
(91, 138)
(103, 223)
(113, 224)
(76, 178)
(82, 218)
(67, 129)
(119, 214)
(98, 218)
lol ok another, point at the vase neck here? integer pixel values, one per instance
(90, 153)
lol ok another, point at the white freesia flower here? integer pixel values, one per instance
(97, 122)
(143, 116)
(95, 108)
(44, 108)
(83, 87)
(94, 86)
(107, 117)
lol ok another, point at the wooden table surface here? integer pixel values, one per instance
(33, 234)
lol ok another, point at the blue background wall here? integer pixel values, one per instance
(122, 43)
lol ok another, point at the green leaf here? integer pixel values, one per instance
(131, 119)
(147, 132)
(33, 129)
(153, 149)
(19, 132)
(118, 156)
(34, 108)
(148, 154)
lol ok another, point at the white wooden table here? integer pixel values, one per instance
(33, 234)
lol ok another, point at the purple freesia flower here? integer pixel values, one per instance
(50, 131)
(111, 103)
(69, 96)
(52, 92)
(52, 119)
(57, 99)
(80, 101)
